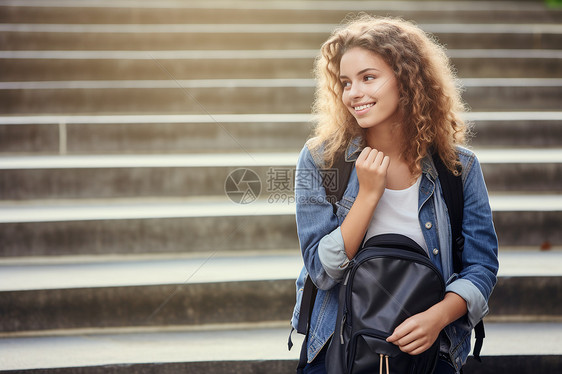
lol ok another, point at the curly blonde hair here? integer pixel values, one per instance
(430, 98)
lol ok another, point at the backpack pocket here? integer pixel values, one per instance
(369, 352)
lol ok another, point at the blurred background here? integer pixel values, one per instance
(147, 155)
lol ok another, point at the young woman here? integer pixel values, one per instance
(387, 97)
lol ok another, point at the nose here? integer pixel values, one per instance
(355, 91)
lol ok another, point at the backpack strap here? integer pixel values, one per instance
(452, 188)
(335, 179)
(303, 327)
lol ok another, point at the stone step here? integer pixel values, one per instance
(239, 96)
(103, 292)
(189, 175)
(193, 12)
(501, 129)
(201, 64)
(176, 291)
(204, 224)
(245, 350)
(177, 134)
(213, 36)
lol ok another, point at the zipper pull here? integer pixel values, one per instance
(387, 365)
(381, 363)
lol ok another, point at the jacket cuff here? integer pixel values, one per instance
(331, 251)
(475, 301)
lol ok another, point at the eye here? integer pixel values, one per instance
(369, 77)
(345, 84)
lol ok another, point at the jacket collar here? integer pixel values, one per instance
(353, 149)
(428, 167)
(356, 146)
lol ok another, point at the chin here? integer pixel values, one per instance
(365, 125)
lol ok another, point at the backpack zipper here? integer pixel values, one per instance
(341, 326)
(351, 265)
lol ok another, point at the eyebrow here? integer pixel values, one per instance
(360, 72)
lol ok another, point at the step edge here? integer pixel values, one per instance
(554, 116)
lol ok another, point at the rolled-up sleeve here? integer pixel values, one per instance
(331, 251)
(476, 304)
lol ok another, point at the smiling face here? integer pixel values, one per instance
(370, 89)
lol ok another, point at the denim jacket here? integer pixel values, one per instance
(319, 231)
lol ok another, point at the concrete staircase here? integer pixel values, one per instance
(121, 121)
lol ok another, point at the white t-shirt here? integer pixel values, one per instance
(397, 213)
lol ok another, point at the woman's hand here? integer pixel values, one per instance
(371, 167)
(416, 334)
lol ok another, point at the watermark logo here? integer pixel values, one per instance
(242, 186)
(283, 186)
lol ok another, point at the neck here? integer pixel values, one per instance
(386, 139)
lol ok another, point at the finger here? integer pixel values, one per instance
(411, 341)
(407, 340)
(371, 157)
(392, 338)
(385, 163)
(363, 155)
(419, 350)
(414, 348)
(409, 349)
(378, 159)
(399, 333)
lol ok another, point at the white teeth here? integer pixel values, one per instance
(363, 106)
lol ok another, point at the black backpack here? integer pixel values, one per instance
(452, 188)
(390, 279)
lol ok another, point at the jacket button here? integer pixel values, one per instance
(435, 251)
(428, 225)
